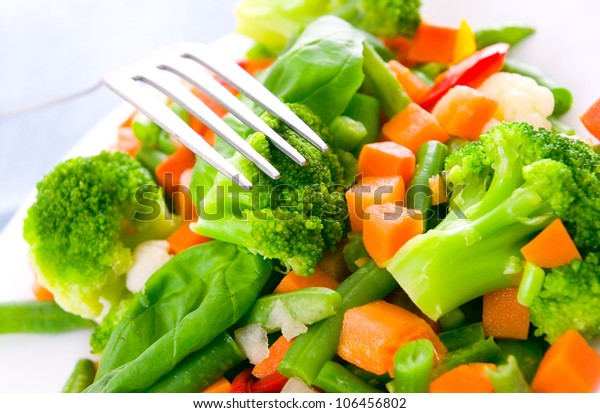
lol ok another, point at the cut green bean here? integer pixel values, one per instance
(308, 306)
(430, 70)
(454, 319)
(311, 350)
(335, 378)
(531, 284)
(413, 365)
(82, 376)
(563, 98)
(560, 127)
(512, 35)
(354, 250)
(346, 133)
(462, 336)
(484, 351)
(43, 317)
(507, 378)
(529, 354)
(198, 370)
(366, 110)
(382, 83)
(150, 158)
(375, 380)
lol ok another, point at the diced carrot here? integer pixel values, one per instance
(412, 127)
(372, 190)
(467, 378)
(553, 247)
(414, 87)
(464, 112)
(183, 238)
(168, 173)
(372, 333)
(591, 119)
(570, 365)
(220, 386)
(276, 352)
(438, 190)
(503, 316)
(386, 159)
(465, 44)
(210, 137)
(433, 44)
(293, 281)
(400, 47)
(196, 124)
(126, 141)
(254, 66)
(387, 227)
(41, 293)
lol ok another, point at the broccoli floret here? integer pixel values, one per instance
(386, 18)
(293, 219)
(103, 331)
(516, 181)
(569, 299)
(88, 215)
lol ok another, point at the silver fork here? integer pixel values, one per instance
(163, 71)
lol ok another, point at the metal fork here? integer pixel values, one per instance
(163, 72)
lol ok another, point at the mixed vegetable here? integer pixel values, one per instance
(449, 240)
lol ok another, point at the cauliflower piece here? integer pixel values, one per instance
(520, 99)
(148, 257)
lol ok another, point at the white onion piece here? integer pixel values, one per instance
(253, 341)
(295, 385)
(281, 318)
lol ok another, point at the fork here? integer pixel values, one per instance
(163, 72)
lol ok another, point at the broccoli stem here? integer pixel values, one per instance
(228, 229)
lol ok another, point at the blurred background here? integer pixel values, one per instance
(50, 50)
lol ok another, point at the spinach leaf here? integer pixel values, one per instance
(186, 304)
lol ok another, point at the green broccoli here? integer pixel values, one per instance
(506, 188)
(383, 18)
(570, 298)
(293, 219)
(88, 215)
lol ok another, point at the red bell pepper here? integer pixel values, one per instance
(242, 383)
(273, 383)
(472, 72)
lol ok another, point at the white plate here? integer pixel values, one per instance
(565, 47)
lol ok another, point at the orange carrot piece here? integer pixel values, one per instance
(433, 44)
(196, 124)
(220, 386)
(438, 190)
(41, 293)
(387, 227)
(400, 47)
(570, 365)
(254, 66)
(414, 87)
(372, 190)
(293, 281)
(386, 159)
(126, 141)
(591, 119)
(276, 352)
(412, 127)
(168, 173)
(467, 378)
(503, 316)
(553, 247)
(372, 333)
(183, 238)
(464, 112)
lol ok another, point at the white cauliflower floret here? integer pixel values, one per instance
(520, 99)
(148, 257)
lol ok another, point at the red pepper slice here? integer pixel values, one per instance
(273, 383)
(243, 382)
(470, 72)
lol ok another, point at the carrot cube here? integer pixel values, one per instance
(293, 281)
(503, 316)
(433, 44)
(184, 238)
(387, 227)
(464, 112)
(591, 119)
(372, 190)
(386, 159)
(414, 126)
(553, 247)
(222, 385)
(467, 378)
(414, 87)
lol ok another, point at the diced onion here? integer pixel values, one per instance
(281, 318)
(253, 341)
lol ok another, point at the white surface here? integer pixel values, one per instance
(565, 47)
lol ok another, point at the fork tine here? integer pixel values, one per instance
(170, 86)
(156, 110)
(197, 76)
(249, 86)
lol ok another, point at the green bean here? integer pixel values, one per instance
(531, 284)
(528, 353)
(413, 365)
(311, 350)
(198, 370)
(145, 130)
(372, 379)
(512, 35)
(559, 126)
(150, 158)
(382, 83)
(454, 319)
(335, 378)
(507, 378)
(82, 376)
(346, 133)
(307, 306)
(462, 336)
(563, 98)
(39, 317)
(430, 161)
(365, 109)
(430, 70)
(480, 351)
